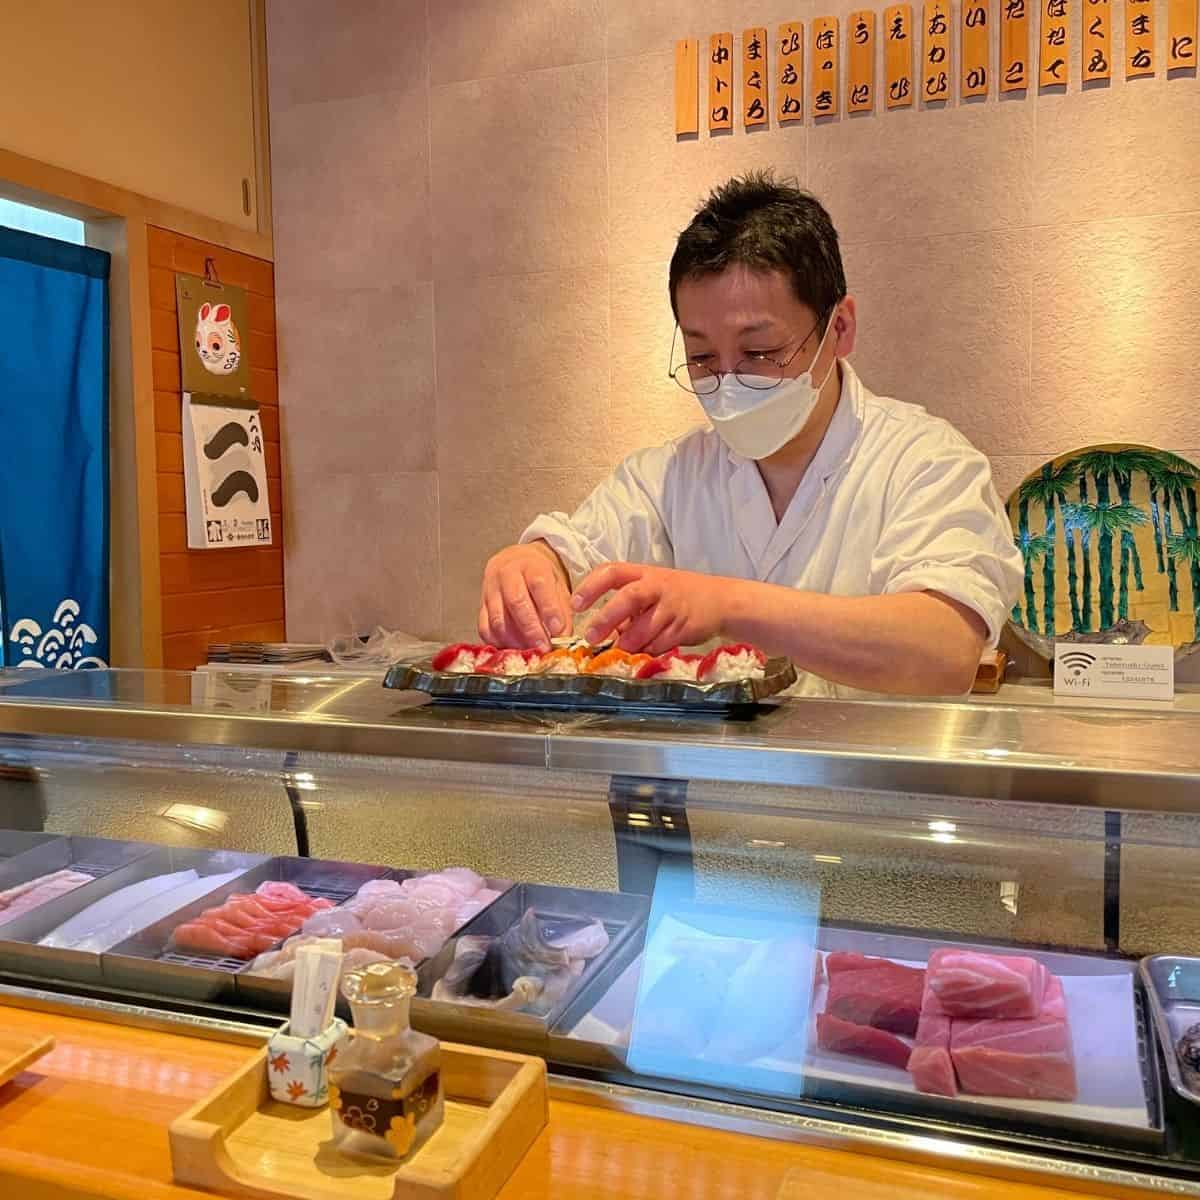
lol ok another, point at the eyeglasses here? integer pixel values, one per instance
(754, 371)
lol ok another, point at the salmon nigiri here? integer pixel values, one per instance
(617, 663)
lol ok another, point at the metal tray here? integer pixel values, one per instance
(18, 841)
(122, 863)
(623, 916)
(1172, 984)
(275, 995)
(586, 692)
(144, 962)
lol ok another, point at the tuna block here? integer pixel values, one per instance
(969, 983)
(930, 1065)
(1027, 1059)
(887, 996)
(861, 1041)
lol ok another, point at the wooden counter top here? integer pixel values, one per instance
(90, 1119)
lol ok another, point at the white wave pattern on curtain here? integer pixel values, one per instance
(62, 647)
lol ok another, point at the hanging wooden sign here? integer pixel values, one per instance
(860, 61)
(897, 54)
(1097, 40)
(1055, 41)
(1139, 38)
(720, 81)
(687, 86)
(754, 78)
(789, 93)
(1181, 34)
(976, 44)
(825, 66)
(935, 52)
(1014, 45)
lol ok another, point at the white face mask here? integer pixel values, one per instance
(754, 422)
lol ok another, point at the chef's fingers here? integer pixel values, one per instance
(605, 579)
(521, 618)
(550, 597)
(645, 629)
(493, 601)
(629, 602)
(484, 624)
(666, 639)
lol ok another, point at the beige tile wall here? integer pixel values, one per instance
(475, 203)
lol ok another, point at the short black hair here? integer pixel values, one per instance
(757, 221)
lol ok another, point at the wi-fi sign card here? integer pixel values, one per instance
(1114, 672)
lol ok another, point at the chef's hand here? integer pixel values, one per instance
(658, 607)
(526, 598)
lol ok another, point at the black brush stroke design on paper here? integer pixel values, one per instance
(231, 485)
(230, 434)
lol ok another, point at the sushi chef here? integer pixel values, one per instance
(858, 535)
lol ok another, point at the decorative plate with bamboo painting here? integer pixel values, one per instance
(1111, 541)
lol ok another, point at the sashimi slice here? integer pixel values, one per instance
(861, 1041)
(886, 997)
(112, 907)
(195, 936)
(464, 881)
(969, 983)
(931, 1066)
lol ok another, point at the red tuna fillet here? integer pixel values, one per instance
(861, 1041)
(931, 1066)
(969, 983)
(847, 960)
(1028, 1059)
(886, 997)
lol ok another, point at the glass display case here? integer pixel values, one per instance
(942, 930)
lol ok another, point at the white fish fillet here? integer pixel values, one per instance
(111, 908)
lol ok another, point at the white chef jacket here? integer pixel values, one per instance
(895, 500)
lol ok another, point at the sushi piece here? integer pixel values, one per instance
(617, 664)
(886, 997)
(673, 665)
(931, 1067)
(732, 664)
(463, 658)
(513, 662)
(969, 983)
(861, 1041)
(566, 660)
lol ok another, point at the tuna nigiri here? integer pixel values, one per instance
(463, 658)
(730, 664)
(513, 662)
(672, 665)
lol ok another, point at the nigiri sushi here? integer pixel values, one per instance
(463, 658)
(513, 662)
(616, 663)
(672, 665)
(730, 664)
(566, 660)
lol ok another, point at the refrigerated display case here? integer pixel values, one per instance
(734, 922)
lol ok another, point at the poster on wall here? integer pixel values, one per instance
(212, 316)
(225, 474)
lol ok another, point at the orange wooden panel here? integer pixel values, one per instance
(162, 289)
(168, 412)
(1097, 40)
(720, 81)
(212, 610)
(976, 16)
(1014, 45)
(271, 454)
(264, 385)
(1054, 38)
(935, 51)
(898, 54)
(755, 100)
(178, 252)
(261, 349)
(164, 330)
(687, 87)
(160, 244)
(860, 61)
(166, 371)
(168, 449)
(172, 495)
(1181, 34)
(270, 424)
(825, 51)
(1139, 38)
(261, 313)
(187, 651)
(208, 570)
(789, 90)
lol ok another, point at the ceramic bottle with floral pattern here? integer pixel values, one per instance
(385, 1088)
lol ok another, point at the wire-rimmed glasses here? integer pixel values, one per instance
(757, 371)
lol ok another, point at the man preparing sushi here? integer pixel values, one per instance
(857, 535)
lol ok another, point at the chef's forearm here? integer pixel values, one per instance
(914, 643)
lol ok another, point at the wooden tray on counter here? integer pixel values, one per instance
(19, 1050)
(239, 1142)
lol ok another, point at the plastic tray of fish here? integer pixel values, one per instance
(73, 951)
(1172, 984)
(589, 692)
(147, 962)
(517, 938)
(266, 992)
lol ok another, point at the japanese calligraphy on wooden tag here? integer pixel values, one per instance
(1139, 38)
(825, 66)
(1055, 40)
(860, 61)
(789, 94)
(897, 54)
(935, 51)
(976, 44)
(1097, 40)
(1014, 45)
(687, 86)
(1181, 34)
(720, 81)
(754, 77)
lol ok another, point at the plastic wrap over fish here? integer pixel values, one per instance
(591, 691)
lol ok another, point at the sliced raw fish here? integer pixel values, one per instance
(931, 1066)
(332, 923)
(430, 892)
(96, 917)
(377, 887)
(462, 879)
(970, 983)
(36, 892)
(389, 914)
(887, 996)
(849, 960)
(861, 1041)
